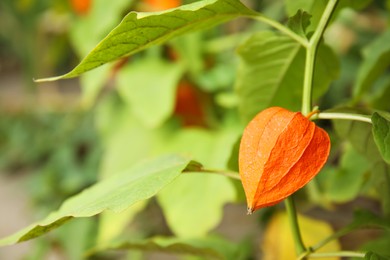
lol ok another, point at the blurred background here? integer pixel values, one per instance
(58, 138)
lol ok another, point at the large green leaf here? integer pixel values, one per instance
(116, 194)
(207, 247)
(381, 132)
(352, 170)
(271, 73)
(138, 31)
(359, 134)
(376, 60)
(193, 204)
(150, 86)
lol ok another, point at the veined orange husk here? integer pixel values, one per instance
(280, 152)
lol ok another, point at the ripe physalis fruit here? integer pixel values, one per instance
(280, 152)
(81, 7)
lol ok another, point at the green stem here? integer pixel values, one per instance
(308, 80)
(345, 116)
(335, 254)
(292, 215)
(311, 51)
(338, 234)
(232, 175)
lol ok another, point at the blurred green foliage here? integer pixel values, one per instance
(191, 95)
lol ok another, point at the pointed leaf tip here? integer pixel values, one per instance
(117, 193)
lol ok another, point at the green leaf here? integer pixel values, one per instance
(271, 73)
(299, 22)
(374, 256)
(193, 204)
(116, 194)
(360, 136)
(351, 170)
(381, 132)
(149, 86)
(207, 247)
(137, 31)
(379, 245)
(313, 7)
(376, 61)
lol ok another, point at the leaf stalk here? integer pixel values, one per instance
(333, 254)
(344, 116)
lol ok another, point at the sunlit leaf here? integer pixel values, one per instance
(137, 31)
(116, 194)
(271, 73)
(207, 247)
(199, 198)
(381, 132)
(120, 129)
(149, 87)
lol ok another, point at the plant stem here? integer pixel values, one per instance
(332, 237)
(292, 215)
(345, 116)
(232, 175)
(311, 51)
(337, 254)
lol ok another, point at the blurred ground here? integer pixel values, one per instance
(15, 213)
(15, 98)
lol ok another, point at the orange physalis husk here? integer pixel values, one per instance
(280, 152)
